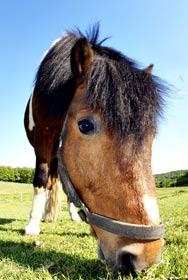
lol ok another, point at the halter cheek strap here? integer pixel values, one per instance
(133, 231)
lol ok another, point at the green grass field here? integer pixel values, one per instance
(69, 252)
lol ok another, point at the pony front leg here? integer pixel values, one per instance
(73, 211)
(37, 210)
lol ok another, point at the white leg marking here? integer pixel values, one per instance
(73, 212)
(151, 207)
(37, 210)
(31, 120)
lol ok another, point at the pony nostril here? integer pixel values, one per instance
(125, 263)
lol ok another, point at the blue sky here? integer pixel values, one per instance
(148, 31)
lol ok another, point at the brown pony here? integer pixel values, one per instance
(108, 109)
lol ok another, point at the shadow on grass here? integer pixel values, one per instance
(56, 263)
(4, 221)
(19, 231)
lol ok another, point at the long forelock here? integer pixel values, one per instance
(129, 100)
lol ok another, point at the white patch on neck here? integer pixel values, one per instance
(31, 120)
(44, 54)
(151, 207)
(53, 44)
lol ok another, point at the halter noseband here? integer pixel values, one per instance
(133, 231)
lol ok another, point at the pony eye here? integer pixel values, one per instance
(86, 126)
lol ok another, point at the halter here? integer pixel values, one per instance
(133, 231)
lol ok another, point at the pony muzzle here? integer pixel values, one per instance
(134, 258)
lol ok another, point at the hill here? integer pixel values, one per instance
(172, 179)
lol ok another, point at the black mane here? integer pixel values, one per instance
(129, 99)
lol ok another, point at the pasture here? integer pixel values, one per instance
(68, 251)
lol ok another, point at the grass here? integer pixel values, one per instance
(69, 252)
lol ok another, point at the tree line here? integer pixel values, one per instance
(25, 175)
(17, 175)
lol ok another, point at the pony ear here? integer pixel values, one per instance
(82, 57)
(148, 70)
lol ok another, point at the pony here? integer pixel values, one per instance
(94, 113)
